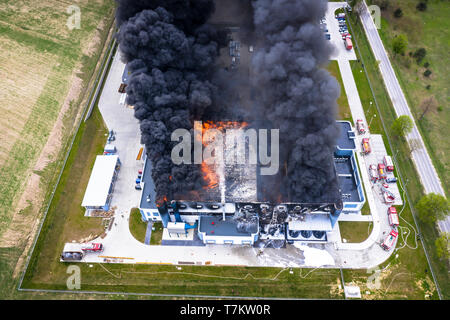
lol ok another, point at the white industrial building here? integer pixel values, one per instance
(101, 183)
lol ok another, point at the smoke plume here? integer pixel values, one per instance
(169, 51)
(297, 96)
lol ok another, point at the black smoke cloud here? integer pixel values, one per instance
(187, 14)
(169, 53)
(297, 96)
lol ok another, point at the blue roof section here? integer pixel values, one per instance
(148, 192)
(346, 138)
(349, 189)
(347, 180)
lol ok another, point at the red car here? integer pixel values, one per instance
(92, 247)
(348, 43)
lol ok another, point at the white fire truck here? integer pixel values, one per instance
(373, 173)
(387, 160)
(393, 217)
(388, 196)
(390, 240)
(360, 126)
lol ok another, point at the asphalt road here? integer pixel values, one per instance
(427, 173)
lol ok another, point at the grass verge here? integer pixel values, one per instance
(344, 108)
(138, 228)
(355, 231)
(157, 233)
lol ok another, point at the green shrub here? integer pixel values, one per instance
(421, 6)
(427, 73)
(419, 54)
(398, 13)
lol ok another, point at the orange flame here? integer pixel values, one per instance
(160, 201)
(209, 174)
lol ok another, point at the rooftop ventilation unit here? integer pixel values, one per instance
(318, 234)
(306, 234)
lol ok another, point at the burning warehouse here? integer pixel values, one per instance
(247, 219)
(180, 74)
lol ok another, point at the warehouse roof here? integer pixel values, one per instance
(100, 181)
(215, 226)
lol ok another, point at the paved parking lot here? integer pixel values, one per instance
(336, 39)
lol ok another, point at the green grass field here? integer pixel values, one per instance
(45, 54)
(65, 220)
(344, 108)
(157, 233)
(137, 226)
(355, 232)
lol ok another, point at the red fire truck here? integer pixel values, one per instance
(373, 173)
(388, 163)
(381, 171)
(393, 217)
(92, 247)
(388, 196)
(390, 240)
(365, 146)
(360, 126)
(348, 43)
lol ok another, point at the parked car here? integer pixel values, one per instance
(391, 180)
(111, 136)
(109, 149)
